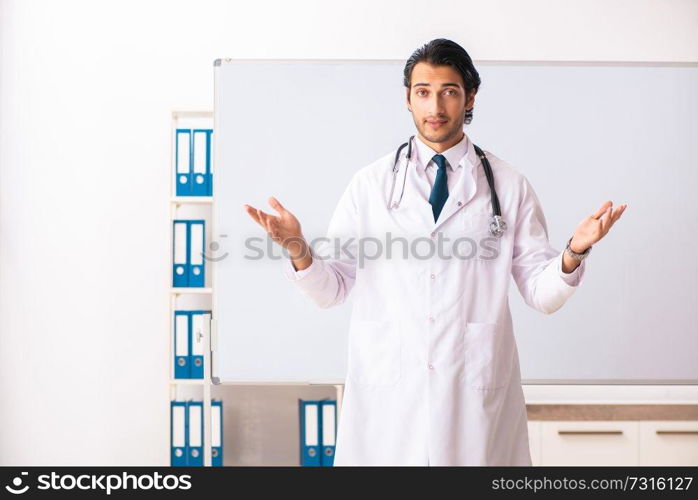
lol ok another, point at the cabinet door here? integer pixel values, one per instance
(590, 443)
(534, 441)
(669, 442)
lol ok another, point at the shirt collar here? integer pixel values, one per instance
(455, 155)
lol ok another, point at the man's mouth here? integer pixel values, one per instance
(436, 124)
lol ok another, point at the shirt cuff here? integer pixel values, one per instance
(575, 277)
(293, 275)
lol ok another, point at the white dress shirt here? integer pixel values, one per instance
(427, 169)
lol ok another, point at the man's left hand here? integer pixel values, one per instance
(596, 226)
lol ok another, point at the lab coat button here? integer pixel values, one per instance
(433, 276)
(433, 234)
(431, 367)
(459, 203)
(431, 318)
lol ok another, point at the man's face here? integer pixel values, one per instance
(438, 102)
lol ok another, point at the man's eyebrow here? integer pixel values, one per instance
(443, 85)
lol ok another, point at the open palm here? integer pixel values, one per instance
(284, 229)
(596, 226)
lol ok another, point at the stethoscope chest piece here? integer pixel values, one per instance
(497, 226)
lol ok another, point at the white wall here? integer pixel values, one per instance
(86, 92)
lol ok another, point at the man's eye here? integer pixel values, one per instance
(453, 92)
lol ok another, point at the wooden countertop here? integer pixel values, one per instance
(612, 412)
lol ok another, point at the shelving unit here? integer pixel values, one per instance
(189, 207)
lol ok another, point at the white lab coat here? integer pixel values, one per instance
(433, 373)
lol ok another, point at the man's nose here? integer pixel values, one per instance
(436, 106)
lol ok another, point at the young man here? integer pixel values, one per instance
(433, 371)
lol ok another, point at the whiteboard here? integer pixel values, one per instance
(581, 133)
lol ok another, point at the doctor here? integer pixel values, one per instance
(433, 372)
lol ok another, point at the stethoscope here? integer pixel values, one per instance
(497, 224)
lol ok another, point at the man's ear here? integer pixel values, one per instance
(470, 100)
(407, 99)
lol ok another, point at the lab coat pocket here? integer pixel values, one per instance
(486, 363)
(478, 243)
(374, 352)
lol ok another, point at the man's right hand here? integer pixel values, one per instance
(285, 230)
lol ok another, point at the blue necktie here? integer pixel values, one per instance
(439, 192)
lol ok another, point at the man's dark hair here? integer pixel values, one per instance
(445, 52)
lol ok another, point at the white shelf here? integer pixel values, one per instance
(181, 290)
(188, 381)
(182, 200)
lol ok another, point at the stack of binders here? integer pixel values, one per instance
(193, 162)
(187, 433)
(317, 432)
(188, 253)
(191, 327)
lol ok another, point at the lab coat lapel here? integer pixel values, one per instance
(413, 213)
